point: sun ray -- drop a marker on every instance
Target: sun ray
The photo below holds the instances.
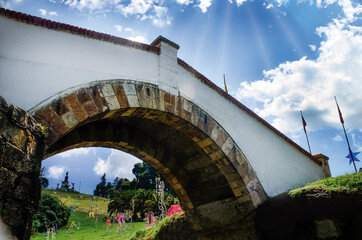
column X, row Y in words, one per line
column 259, row 38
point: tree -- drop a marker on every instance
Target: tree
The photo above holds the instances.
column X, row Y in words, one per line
column 50, row 213
column 43, row 180
column 145, row 201
column 117, row 183
column 145, row 175
column 102, row 187
column 126, row 185
column 121, row 202
column 103, row 180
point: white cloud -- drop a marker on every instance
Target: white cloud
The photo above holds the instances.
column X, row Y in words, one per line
column 10, row 3
column 52, row 1
column 55, row 172
column 43, row 11
column 312, row 47
column 269, row 6
column 91, row 5
column 75, row 152
column 240, row 2
column 53, row 13
column 204, row 5
column 138, row 38
column 310, row 85
column 128, row 29
column 118, row 28
column 186, row 2
column 161, row 18
column 338, row 138
column 356, row 141
column 118, row 164
column 136, row 7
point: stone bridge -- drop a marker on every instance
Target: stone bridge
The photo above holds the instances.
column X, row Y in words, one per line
column 89, row 89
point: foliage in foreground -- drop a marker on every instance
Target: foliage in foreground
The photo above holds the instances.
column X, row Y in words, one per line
column 50, row 213
column 350, row 183
column 150, row 234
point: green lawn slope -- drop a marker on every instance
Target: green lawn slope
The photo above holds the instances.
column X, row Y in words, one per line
column 347, row 184
column 88, row 228
column 81, row 202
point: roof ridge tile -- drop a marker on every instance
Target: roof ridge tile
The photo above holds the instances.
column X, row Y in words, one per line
column 58, row 26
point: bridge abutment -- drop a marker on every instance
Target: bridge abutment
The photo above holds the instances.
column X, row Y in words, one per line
column 21, row 152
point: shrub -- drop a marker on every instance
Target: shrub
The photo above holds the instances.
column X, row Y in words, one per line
column 50, row 213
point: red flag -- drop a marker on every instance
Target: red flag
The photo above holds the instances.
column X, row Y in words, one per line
column 305, row 131
column 340, row 114
column 304, row 123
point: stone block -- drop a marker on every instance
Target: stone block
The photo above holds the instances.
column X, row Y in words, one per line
column 121, row 95
column 84, row 96
column 129, row 89
column 216, row 155
column 91, row 108
column 133, row 100
column 228, row 145
column 59, row 107
column 69, row 120
column 107, row 90
column 222, row 137
column 99, row 99
column 112, row 102
column 53, row 120
column 204, row 143
column 326, row 229
column 75, row 107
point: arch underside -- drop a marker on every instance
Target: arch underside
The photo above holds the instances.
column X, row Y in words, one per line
column 178, row 159
column 200, row 161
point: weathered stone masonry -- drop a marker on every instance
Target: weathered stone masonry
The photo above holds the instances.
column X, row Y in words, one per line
column 21, row 152
column 181, row 141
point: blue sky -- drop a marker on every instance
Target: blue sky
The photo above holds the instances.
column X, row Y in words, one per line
column 279, row 57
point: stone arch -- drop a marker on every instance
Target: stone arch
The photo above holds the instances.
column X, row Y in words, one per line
column 124, row 114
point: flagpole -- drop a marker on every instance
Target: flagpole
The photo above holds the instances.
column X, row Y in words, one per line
column 345, row 134
column 306, row 135
column 226, row 89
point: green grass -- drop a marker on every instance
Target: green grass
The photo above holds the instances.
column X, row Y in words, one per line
column 350, row 183
column 89, row 230
column 150, row 234
column 82, row 202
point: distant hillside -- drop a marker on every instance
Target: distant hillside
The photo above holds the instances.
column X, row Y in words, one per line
column 82, row 202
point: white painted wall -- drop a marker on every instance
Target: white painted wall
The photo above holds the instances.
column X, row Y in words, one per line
column 278, row 165
column 37, row 63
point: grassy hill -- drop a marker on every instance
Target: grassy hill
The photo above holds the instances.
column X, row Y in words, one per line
column 81, row 202
column 347, row 184
column 88, row 228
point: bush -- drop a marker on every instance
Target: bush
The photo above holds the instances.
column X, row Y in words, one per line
column 50, row 213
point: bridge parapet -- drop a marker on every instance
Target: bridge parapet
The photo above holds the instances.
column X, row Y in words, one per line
column 84, row 56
